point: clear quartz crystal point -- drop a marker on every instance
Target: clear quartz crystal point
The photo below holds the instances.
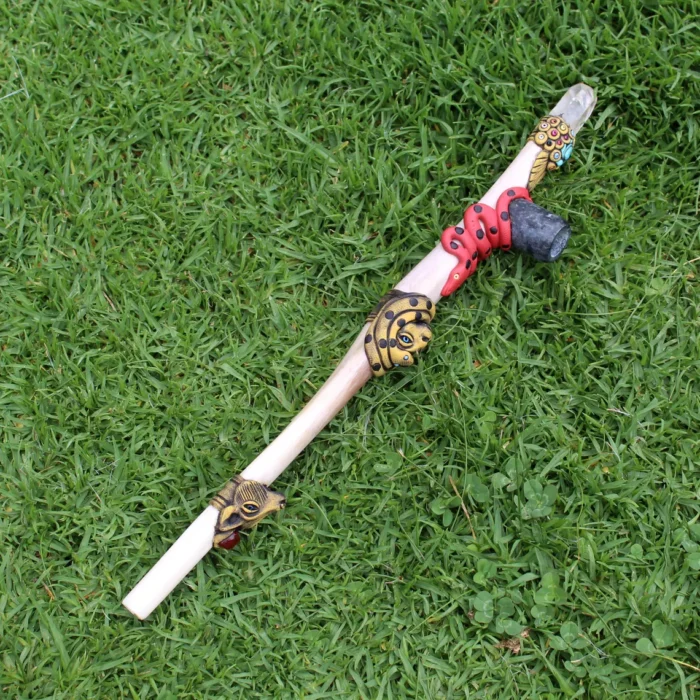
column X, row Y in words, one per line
column 576, row 106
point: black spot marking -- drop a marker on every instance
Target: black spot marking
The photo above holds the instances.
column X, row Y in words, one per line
column 475, row 256
column 480, row 234
column 376, row 367
column 389, row 315
column 419, row 316
column 477, row 208
column 368, row 338
column 494, row 230
column 413, row 301
column 459, row 230
column 468, row 264
column 511, row 193
column 454, row 245
column 382, row 343
column 504, row 216
column 401, row 322
column 429, row 305
column 392, row 343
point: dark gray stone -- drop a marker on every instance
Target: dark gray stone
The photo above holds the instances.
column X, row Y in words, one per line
column 536, row 231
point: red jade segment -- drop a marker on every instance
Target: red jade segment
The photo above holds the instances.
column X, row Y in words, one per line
column 231, row 541
column 484, row 229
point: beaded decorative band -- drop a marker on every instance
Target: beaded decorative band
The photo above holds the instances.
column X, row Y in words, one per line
column 484, row 229
column 555, row 139
column 399, row 327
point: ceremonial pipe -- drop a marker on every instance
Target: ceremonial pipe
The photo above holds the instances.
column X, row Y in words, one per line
column 398, row 327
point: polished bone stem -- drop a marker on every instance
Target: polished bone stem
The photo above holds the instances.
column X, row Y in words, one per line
column 534, row 230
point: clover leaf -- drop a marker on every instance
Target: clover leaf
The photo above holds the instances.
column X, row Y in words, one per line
column 539, row 499
column 645, row 646
column 662, row 634
column 483, row 607
column 550, row 591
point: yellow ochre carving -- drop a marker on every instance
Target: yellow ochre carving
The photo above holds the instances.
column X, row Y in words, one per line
column 243, row 504
column 554, row 137
column 399, row 327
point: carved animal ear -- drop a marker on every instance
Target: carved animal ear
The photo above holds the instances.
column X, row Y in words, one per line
column 229, row 519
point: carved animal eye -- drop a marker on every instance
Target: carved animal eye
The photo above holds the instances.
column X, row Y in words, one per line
column 250, row 508
column 405, row 339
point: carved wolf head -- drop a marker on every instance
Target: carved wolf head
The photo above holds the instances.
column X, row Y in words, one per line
column 242, row 504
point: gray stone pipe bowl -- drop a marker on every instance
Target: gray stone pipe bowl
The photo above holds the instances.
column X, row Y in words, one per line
column 536, row 231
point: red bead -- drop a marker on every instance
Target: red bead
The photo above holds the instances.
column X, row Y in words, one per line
column 231, row 542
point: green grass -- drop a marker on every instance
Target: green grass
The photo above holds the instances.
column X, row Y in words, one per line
column 199, row 207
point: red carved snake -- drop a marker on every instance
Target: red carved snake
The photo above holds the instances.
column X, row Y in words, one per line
column 484, row 229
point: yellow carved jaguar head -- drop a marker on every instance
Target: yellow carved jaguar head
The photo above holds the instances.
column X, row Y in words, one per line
column 242, row 505
column 399, row 327
column 413, row 337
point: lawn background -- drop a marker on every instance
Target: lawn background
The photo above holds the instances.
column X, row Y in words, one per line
column 199, row 206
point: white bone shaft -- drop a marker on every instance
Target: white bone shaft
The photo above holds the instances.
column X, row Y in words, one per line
column 428, row 277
